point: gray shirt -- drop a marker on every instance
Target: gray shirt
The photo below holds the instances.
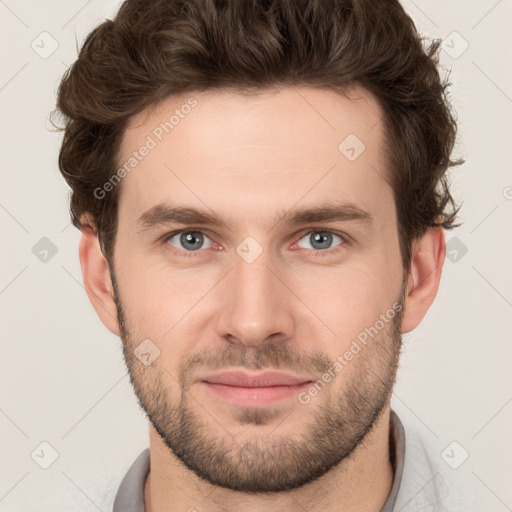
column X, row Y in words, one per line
column 418, row 484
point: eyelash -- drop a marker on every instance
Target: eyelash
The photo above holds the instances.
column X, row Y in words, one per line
column 316, row 252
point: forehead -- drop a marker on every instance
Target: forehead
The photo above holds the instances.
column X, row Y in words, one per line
column 255, row 153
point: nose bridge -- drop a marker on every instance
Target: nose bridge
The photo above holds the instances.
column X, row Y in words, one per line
column 255, row 304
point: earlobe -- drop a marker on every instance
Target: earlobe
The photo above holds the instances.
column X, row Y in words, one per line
column 97, row 281
column 428, row 253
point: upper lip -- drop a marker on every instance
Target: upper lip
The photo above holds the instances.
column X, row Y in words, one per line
column 254, row 380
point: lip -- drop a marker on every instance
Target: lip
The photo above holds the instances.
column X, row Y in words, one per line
column 260, row 379
column 251, row 389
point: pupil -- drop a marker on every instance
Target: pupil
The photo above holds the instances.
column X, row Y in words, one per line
column 325, row 237
column 187, row 238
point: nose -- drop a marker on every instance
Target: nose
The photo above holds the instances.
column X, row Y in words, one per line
column 255, row 304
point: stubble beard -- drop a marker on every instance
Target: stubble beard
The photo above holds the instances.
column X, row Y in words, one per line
column 274, row 462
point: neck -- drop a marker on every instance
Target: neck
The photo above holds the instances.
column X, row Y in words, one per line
column 171, row 486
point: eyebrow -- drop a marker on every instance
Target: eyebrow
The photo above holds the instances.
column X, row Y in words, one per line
column 164, row 214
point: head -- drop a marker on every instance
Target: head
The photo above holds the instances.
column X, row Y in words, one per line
column 270, row 195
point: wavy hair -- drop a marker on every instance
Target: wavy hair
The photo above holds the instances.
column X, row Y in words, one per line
column 154, row 49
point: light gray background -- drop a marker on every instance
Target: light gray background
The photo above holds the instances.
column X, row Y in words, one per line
column 62, row 376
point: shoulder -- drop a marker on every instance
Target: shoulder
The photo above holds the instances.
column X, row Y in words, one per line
column 436, row 474
column 128, row 495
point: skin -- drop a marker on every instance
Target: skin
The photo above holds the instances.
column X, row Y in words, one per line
column 249, row 158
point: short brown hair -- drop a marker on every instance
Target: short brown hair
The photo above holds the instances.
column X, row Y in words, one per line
column 154, row 49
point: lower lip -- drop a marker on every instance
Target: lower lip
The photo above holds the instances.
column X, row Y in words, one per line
column 254, row 396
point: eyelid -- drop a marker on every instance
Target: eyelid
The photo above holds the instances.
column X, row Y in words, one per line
column 310, row 230
column 323, row 252
column 165, row 239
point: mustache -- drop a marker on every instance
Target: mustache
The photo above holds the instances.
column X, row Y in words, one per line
column 272, row 355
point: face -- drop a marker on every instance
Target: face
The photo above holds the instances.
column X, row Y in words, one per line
column 257, row 238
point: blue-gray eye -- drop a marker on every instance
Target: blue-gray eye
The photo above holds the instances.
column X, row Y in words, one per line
column 190, row 240
column 320, row 240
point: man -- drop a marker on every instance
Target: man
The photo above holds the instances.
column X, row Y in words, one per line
column 262, row 195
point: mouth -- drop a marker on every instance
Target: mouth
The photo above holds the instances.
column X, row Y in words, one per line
column 254, row 389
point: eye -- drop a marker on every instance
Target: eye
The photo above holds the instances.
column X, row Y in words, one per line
column 190, row 241
column 321, row 240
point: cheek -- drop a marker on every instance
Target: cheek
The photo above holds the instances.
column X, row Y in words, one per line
column 350, row 299
column 160, row 301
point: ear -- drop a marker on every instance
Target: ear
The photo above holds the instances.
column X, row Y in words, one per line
column 428, row 253
column 97, row 281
